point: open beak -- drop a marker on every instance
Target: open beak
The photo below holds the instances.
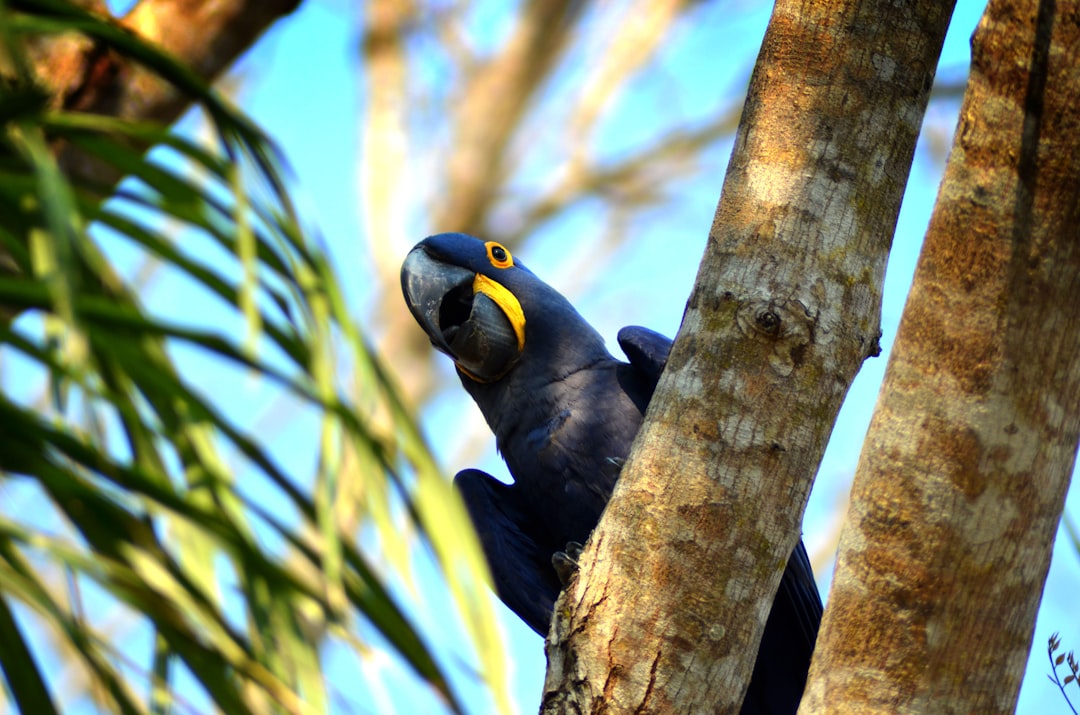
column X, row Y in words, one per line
column 471, row 318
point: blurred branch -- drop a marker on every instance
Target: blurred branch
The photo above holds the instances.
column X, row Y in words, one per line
column 384, row 148
column 646, row 24
column 1072, row 530
column 484, row 115
column 490, row 106
column 633, row 181
column 952, row 89
column 82, row 73
column 822, row 551
column 205, row 35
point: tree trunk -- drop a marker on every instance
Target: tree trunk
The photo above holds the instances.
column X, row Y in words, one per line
column 785, row 308
column 961, row 484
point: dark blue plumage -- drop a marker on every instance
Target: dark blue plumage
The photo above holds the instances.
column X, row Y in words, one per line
column 564, row 413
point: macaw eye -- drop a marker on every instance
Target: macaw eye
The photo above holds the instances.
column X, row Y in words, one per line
column 499, row 256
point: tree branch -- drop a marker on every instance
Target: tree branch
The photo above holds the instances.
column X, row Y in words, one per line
column 206, row 35
column 488, row 111
column 962, row 481
column 785, row 308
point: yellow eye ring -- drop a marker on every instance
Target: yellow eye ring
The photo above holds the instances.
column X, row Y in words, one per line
column 498, row 255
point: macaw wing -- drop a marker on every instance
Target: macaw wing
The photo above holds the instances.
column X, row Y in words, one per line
column 524, row 578
column 798, row 587
column 646, row 349
column 787, row 644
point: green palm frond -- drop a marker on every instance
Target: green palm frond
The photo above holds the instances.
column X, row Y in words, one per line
column 147, row 489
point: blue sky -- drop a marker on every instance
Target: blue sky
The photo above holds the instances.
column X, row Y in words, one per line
column 302, row 84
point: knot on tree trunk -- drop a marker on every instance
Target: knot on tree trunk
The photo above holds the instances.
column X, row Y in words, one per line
column 787, row 324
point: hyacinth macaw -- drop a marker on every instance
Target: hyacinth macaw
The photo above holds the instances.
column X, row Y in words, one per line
column 564, row 413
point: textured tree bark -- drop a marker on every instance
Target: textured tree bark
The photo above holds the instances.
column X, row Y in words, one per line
column 678, row 578
column 963, row 476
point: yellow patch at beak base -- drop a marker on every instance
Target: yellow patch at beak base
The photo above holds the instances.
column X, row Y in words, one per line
column 506, row 301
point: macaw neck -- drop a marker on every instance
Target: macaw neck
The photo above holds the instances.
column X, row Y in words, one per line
column 538, row 387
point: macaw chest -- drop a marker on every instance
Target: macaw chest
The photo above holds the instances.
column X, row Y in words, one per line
column 566, row 465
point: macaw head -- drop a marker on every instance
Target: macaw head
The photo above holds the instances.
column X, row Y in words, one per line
column 487, row 311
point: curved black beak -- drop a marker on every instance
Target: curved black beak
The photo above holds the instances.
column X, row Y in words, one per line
column 468, row 326
column 426, row 282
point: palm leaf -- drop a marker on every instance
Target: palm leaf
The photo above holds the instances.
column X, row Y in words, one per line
column 148, row 476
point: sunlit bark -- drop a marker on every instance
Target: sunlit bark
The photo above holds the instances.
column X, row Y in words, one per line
column 963, row 475
column 677, row 579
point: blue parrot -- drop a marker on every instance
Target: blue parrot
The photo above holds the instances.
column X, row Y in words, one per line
column 564, row 413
